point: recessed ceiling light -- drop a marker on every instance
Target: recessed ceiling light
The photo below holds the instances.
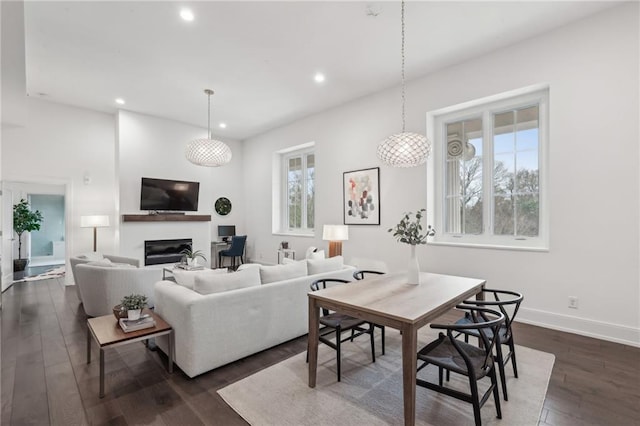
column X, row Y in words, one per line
column 187, row 15
column 120, row 101
column 319, row 77
column 223, row 125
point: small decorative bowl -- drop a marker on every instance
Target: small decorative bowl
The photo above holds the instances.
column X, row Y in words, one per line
column 119, row 312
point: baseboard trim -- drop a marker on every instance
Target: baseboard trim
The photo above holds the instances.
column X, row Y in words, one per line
column 585, row 327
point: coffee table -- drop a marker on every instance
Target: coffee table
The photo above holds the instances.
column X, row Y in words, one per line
column 107, row 333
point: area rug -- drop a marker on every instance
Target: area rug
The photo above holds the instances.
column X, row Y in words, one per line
column 53, row 273
column 371, row 393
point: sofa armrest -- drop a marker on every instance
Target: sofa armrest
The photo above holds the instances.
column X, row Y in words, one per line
column 122, row 259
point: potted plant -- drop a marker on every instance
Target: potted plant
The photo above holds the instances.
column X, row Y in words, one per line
column 410, row 231
column 134, row 304
column 192, row 256
column 24, row 220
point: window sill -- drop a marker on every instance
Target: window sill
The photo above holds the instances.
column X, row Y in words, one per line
column 295, row 234
column 489, row 246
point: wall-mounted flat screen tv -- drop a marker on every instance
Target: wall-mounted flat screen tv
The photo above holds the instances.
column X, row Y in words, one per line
column 169, row 195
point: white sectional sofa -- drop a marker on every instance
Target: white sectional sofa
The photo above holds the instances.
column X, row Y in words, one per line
column 230, row 323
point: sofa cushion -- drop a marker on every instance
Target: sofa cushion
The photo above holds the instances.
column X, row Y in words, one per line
column 218, row 283
column 274, row 273
column 247, row 266
column 91, row 256
column 188, row 278
column 318, row 266
column 101, row 262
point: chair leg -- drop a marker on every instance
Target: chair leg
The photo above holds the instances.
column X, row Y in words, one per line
column 512, row 348
column 496, row 396
column 448, row 375
column 338, row 334
column 373, row 343
column 500, row 361
column 382, row 328
column 440, row 376
column 475, row 399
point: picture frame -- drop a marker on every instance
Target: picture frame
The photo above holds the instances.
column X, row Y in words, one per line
column 361, row 196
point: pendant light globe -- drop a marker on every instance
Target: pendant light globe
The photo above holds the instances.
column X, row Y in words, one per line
column 208, row 152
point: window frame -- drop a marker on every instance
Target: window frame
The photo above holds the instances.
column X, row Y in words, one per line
column 281, row 190
column 486, row 108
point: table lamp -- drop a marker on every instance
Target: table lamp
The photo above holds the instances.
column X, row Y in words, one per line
column 95, row 222
column 335, row 234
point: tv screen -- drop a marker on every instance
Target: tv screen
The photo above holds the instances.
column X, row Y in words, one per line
column 169, row 195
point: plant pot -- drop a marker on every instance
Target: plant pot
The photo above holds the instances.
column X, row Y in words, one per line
column 133, row 314
column 19, row 264
column 192, row 262
column 120, row 312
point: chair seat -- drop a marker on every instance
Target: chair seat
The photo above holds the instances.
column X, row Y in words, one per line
column 343, row 321
column 465, row 320
column 443, row 354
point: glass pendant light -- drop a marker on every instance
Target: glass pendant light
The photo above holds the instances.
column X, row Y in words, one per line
column 208, row 152
column 404, row 149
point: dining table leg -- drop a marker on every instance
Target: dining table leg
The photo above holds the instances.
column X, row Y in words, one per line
column 312, row 345
column 409, row 366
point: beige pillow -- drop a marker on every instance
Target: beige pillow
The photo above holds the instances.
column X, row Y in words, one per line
column 271, row 274
column 218, row 283
column 319, row 266
column 101, row 262
column 188, row 278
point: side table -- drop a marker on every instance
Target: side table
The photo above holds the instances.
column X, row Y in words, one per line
column 107, row 333
column 286, row 253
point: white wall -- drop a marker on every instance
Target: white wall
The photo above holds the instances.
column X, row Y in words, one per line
column 61, row 145
column 592, row 69
column 154, row 147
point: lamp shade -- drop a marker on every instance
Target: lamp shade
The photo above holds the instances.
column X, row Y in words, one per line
column 335, row 233
column 94, row 221
column 208, row 153
column 404, row 150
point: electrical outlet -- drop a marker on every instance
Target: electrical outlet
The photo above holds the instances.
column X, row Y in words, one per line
column 573, row 302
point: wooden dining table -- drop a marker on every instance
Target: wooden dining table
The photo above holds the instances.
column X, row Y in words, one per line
column 388, row 300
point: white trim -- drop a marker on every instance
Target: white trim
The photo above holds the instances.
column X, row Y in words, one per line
column 484, row 108
column 585, row 327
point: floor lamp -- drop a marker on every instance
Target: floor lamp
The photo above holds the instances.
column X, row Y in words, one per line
column 335, row 234
column 95, row 222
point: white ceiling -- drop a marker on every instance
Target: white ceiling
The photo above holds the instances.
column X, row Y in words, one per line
column 259, row 57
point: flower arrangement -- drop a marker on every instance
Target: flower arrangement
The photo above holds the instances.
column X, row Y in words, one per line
column 409, row 231
column 134, row 301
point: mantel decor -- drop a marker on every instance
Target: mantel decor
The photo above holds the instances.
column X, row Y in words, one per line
column 361, row 193
column 410, row 232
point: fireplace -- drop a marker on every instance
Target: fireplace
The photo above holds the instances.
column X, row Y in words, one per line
column 157, row 252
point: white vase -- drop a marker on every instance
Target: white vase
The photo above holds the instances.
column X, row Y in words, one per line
column 133, row 314
column 413, row 269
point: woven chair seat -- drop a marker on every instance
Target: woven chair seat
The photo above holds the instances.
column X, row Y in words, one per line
column 443, row 354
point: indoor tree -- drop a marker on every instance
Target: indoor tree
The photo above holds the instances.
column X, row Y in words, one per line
column 24, row 220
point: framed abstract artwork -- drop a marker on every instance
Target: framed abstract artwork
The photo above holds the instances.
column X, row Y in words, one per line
column 361, row 193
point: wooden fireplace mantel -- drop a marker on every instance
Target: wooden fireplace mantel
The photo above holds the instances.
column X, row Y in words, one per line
column 166, row 218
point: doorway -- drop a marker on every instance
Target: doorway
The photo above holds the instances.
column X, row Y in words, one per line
column 45, row 249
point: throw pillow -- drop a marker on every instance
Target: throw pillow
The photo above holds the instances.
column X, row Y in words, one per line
column 101, row 262
column 247, row 266
column 218, row 283
column 319, row 254
column 188, row 278
column 91, row 256
column 318, row 266
column 271, row 274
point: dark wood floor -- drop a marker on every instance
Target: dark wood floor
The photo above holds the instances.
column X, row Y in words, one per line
column 45, row 378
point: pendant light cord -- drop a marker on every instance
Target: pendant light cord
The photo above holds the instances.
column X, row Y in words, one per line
column 209, row 116
column 402, row 53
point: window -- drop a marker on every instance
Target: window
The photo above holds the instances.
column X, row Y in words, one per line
column 488, row 168
column 296, row 190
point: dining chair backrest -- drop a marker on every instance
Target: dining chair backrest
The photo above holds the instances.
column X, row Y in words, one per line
column 486, row 322
column 508, row 302
column 321, row 284
column 237, row 245
column 361, row 273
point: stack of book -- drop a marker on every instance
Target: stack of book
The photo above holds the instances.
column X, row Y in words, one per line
column 128, row 325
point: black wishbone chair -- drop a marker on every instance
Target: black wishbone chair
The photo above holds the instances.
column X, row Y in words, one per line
column 450, row 354
column 508, row 302
column 335, row 323
column 359, row 275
